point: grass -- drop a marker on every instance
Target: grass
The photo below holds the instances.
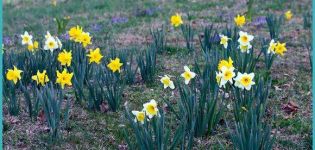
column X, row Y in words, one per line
column 96, row 130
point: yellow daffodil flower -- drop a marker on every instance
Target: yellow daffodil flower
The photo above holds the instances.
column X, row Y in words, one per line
column 225, row 63
column 85, row 39
column 240, row 20
column 32, row 46
column 14, row 74
column 280, row 48
column 75, row 33
column 64, row 78
column 288, row 15
column 41, row 78
column 176, row 20
column 115, row 65
column 65, row 58
column 95, row 56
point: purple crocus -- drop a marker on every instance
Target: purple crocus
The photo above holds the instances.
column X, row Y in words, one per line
column 96, row 27
column 65, row 36
column 259, row 21
column 119, row 20
column 7, row 40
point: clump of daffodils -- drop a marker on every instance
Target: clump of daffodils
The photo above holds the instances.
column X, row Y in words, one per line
column 244, row 41
column 167, row 82
column 95, row 56
column 78, row 35
column 115, row 65
column 226, row 72
column 14, row 74
column 41, row 78
column 32, row 46
column 239, row 20
column 27, row 39
column 149, row 110
column 276, row 48
column 176, row 20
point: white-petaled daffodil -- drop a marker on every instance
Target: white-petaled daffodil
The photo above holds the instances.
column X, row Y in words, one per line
column 244, row 80
column 150, row 108
column 188, row 75
column 167, row 82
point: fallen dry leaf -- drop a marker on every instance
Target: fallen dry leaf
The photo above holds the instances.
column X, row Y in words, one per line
column 104, row 107
column 290, row 108
column 13, row 120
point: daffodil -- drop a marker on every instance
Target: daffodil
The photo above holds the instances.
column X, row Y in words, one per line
column 224, row 40
column 75, row 33
column 26, row 38
column 59, row 43
column 150, row 108
column 272, row 47
column 65, row 58
column 225, row 63
column 176, row 20
column 140, row 116
column 167, row 82
column 288, row 15
column 95, row 56
column 85, row 39
column 187, row 75
column 54, row 2
column 48, row 35
column 41, row 78
column 244, row 80
column 245, row 48
column 218, row 77
column 32, row 46
column 14, row 74
column 226, row 75
column 64, row 78
column 51, row 44
column 240, row 20
column 115, row 65
column 280, row 48
column 245, row 38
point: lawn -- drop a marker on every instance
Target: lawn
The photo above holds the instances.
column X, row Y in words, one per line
column 124, row 25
